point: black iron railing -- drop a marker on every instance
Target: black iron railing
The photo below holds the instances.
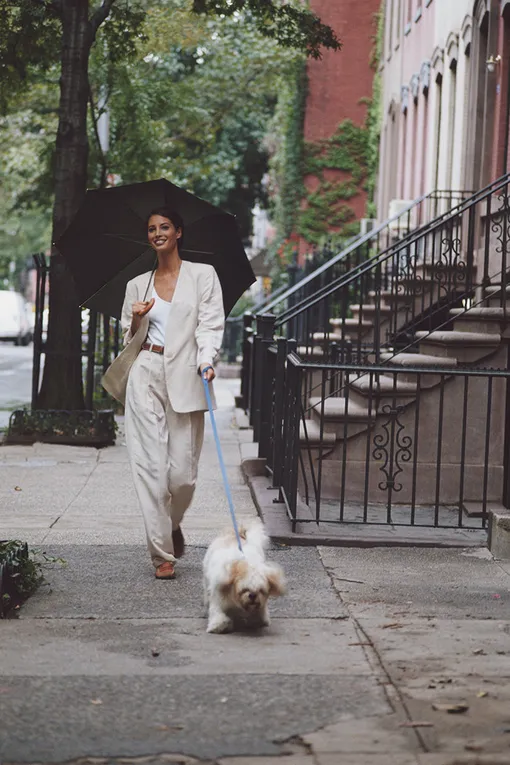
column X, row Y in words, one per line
column 101, row 341
column 425, row 447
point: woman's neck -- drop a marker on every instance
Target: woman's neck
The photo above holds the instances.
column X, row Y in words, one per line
column 169, row 263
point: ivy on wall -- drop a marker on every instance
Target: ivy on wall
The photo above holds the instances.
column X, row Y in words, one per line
column 341, row 166
column 374, row 114
column 326, row 205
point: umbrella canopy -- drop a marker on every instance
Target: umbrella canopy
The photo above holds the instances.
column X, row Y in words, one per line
column 106, row 243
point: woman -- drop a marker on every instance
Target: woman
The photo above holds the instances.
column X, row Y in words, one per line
column 173, row 321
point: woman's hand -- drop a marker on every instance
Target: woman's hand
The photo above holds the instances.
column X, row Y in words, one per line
column 210, row 374
column 139, row 309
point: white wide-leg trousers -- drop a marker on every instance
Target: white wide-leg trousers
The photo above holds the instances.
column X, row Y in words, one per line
column 164, row 448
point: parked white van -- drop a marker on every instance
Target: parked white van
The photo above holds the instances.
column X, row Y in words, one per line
column 15, row 319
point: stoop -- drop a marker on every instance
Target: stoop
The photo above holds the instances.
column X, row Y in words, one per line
column 499, row 533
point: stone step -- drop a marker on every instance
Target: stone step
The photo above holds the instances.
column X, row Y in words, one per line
column 420, row 360
column 391, row 298
column 335, row 409
column 362, row 388
column 351, row 323
column 369, row 310
column 489, row 320
column 341, row 416
column 312, row 436
column 463, row 346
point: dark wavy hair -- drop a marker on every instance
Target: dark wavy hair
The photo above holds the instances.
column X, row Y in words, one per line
column 172, row 215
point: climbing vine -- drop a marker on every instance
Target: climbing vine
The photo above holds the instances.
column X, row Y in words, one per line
column 374, row 114
column 326, row 205
column 285, row 144
column 338, row 168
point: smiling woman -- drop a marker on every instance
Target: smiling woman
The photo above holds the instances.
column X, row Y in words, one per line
column 172, row 339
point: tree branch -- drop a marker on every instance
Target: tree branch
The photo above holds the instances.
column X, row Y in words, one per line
column 99, row 16
column 53, row 6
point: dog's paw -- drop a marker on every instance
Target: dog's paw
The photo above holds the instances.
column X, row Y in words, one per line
column 220, row 626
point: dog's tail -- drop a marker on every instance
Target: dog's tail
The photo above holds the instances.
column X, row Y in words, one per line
column 255, row 534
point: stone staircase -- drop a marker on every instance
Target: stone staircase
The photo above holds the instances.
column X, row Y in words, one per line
column 344, row 429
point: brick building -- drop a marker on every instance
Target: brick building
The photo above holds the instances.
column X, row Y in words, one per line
column 340, row 83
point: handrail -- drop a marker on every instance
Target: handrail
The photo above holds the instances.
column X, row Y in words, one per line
column 358, row 242
column 394, row 249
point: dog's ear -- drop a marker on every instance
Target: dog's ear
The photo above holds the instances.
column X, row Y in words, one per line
column 275, row 580
column 236, row 570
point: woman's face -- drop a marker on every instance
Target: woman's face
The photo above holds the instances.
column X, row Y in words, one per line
column 162, row 234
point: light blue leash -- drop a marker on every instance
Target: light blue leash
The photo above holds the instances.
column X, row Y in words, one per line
column 220, row 458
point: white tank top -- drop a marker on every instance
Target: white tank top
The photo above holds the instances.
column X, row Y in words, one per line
column 158, row 319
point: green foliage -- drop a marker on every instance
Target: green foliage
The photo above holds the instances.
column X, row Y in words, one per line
column 26, row 569
column 285, row 143
column 29, row 41
column 325, row 206
column 291, row 24
column 374, row 114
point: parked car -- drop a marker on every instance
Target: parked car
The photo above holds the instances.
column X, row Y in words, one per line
column 15, row 319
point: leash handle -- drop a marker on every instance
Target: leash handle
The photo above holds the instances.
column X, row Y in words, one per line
column 220, row 458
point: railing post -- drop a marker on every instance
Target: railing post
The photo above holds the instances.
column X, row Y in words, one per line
column 292, row 270
column 246, row 362
column 278, row 411
column 263, row 338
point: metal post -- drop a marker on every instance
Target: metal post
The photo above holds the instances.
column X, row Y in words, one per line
column 292, row 271
column 91, row 351
column 245, row 364
column 278, row 413
column 264, row 337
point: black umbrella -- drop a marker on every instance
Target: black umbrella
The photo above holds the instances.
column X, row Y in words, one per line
column 106, row 243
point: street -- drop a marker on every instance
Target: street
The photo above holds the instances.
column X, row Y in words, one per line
column 15, row 378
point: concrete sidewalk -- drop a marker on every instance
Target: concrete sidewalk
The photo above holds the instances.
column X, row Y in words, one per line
column 107, row 665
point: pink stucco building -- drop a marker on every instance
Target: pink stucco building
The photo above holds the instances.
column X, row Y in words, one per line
column 445, row 120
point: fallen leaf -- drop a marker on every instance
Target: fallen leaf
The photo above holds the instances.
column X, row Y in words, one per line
column 392, row 626
column 97, row 702
column 482, row 694
column 224, row 700
column 453, row 709
column 479, row 652
column 154, row 652
column 473, row 747
column 415, row 724
column 161, row 727
column 17, row 488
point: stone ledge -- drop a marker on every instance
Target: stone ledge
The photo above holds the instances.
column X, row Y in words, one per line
column 279, row 527
column 499, row 533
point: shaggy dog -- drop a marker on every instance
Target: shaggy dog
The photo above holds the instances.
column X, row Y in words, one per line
column 237, row 584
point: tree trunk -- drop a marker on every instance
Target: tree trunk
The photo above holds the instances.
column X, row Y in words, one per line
column 62, row 386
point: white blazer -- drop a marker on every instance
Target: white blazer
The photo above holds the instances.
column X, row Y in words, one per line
column 193, row 336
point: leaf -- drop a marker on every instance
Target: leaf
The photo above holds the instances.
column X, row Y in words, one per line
column 17, row 488
column 482, row 694
column 96, row 702
column 453, row 709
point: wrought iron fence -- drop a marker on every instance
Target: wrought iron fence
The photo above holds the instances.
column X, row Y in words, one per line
column 100, row 343
column 423, row 447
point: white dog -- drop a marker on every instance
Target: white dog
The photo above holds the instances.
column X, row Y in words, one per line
column 238, row 584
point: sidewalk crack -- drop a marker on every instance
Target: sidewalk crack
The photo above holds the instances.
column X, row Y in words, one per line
column 64, row 511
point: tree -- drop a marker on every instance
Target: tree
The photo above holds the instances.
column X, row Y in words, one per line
column 75, row 25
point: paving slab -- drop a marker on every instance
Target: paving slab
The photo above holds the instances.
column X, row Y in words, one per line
column 99, row 581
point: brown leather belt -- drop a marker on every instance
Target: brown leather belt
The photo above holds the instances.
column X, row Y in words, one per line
column 154, row 348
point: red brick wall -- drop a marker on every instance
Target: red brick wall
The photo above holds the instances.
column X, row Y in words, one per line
column 340, row 80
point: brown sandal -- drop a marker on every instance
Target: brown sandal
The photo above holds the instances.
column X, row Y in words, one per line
column 178, row 542
column 165, row 571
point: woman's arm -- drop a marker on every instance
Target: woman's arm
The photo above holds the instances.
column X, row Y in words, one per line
column 211, row 320
column 132, row 313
